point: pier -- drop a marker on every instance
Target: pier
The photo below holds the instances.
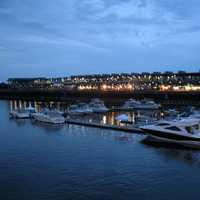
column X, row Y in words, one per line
column 105, row 126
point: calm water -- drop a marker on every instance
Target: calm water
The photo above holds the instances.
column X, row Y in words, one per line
column 72, row 162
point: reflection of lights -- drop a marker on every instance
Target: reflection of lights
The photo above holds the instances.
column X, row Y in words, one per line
column 20, row 104
column 15, row 105
column 104, row 119
column 112, row 118
column 11, row 105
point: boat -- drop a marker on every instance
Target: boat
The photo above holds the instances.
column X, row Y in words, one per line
column 123, row 118
column 48, row 116
column 171, row 113
column 80, row 108
column 185, row 132
column 145, row 120
column 130, row 104
column 98, row 106
column 145, row 104
column 148, row 105
column 22, row 113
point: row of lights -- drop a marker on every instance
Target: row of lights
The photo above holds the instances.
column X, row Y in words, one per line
column 179, row 88
column 107, row 87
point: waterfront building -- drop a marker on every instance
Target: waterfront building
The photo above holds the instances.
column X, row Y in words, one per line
column 167, row 81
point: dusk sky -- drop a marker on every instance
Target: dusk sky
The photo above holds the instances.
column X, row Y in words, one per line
column 65, row 37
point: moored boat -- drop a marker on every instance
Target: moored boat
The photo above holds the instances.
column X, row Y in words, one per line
column 20, row 114
column 98, row 106
column 184, row 132
column 145, row 104
column 51, row 117
column 23, row 112
column 80, row 108
column 123, row 118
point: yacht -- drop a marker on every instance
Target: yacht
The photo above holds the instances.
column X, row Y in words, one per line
column 123, row 118
column 145, row 120
column 143, row 105
column 80, row 108
column 51, row 117
column 171, row 113
column 22, row 113
column 130, row 104
column 98, row 106
column 185, row 132
column 148, row 105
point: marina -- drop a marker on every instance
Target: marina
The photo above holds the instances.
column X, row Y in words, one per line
column 149, row 120
column 99, row 100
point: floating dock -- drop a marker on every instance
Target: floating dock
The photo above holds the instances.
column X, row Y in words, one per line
column 105, row 126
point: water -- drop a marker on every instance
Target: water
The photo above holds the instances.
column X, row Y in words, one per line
column 72, row 162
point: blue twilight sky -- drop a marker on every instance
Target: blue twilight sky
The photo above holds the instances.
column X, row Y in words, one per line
column 64, row 37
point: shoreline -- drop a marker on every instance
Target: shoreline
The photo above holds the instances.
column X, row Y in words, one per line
column 166, row 98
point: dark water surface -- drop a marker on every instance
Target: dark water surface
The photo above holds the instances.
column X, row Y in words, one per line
column 72, row 162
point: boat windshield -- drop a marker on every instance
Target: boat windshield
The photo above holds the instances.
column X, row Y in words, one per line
column 173, row 128
column 163, row 124
column 192, row 129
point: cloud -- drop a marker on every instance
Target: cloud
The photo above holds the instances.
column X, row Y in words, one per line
column 98, row 33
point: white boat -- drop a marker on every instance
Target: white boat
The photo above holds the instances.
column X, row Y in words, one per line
column 98, row 106
column 51, row 117
column 20, row 114
column 171, row 113
column 23, row 113
column 148, row 105
column 184, row 132
column 130, row 104
column 30, row 109
column 123, row 118
column 144, row 105
column 144, row 120
column 80, row 108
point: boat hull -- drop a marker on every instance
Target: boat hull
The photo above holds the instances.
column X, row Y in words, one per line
column 190, row 142
column 20, row 115
column 140, row 108
column 49, row 120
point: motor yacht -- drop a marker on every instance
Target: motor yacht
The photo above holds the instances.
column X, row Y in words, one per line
column 148, row 105
column 145, row 120
column 123, row 118
column 51, row 117
column 145, row 104
column 80, row 108
column 185, row 132
column 22, row 113
column 130, row 104
column 98, row 106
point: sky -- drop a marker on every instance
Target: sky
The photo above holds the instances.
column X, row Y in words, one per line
column 68, row 37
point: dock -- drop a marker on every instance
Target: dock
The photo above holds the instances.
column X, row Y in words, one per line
column 105, row 126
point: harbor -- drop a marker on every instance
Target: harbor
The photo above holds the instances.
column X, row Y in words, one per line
column 99, row 100
column 79, row 156
column 176, row 126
